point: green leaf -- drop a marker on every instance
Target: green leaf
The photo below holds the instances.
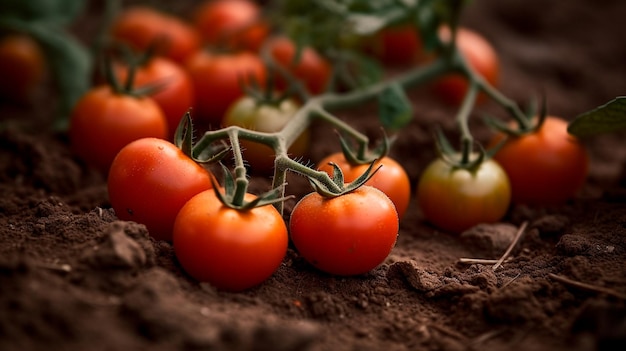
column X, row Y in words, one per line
column 58, row 12
column 394, row 108
column 610, row 117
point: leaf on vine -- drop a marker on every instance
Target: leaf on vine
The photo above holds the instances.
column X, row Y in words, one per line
column 610, row 117
column 394, row 108
column 57, row 12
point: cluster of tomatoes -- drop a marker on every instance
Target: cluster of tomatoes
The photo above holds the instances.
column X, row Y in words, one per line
column 153, row 182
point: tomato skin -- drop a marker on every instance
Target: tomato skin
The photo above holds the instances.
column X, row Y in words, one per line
column 391, row 178
column 312, row 69
column 139, row 26
column 246, row 113
column 346, row 235
column 397, row 46
column 546, row 167
column 217, row 81
column 22, row 67
column 455, row 199
column 235, row 24
column 149, row 182
column 231, row 249
column 103, row 122
column 175, row 94
column 480, row 55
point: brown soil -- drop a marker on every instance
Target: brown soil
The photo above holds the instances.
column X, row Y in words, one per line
column 73, row 277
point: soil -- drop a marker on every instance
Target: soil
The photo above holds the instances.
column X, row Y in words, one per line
column 74, row 277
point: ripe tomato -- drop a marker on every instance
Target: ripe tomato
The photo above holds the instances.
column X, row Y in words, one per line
column 345, row 235
column 480, row 55
column 104, row 121
column 391, row 178
column 141, row 26
column 456, row 199
column 235, row 24
column 217, row 80
column 149, row 182
column 22, row 67
column 397, row 46
column 311, row 68
column 545, row 167
column 175, row 94
column 246, row 113
column 231, row 249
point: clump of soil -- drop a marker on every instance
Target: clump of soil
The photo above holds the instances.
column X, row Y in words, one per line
column 74, row 277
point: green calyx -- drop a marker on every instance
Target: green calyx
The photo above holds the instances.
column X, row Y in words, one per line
column 531, row 120
column 183, row 139
column 339, row 187
column 362, row 155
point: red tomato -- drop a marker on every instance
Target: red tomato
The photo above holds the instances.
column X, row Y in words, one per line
column 231, row 249
column 480, row 55
column 22, row 67
column 456, row 199
column 397, row 46
column 149, row 182
column 175, row 94
column 104, row 121
column 311, row 68
column 246, row 113
column 141, row 26
column 217, row 80
column 234, row 24
column 391, row 178
column 345, row 235
column 548, row 166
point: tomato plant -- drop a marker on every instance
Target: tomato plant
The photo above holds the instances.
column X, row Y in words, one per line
column 150, row 180
column 480, row 56
column 545, row 166
column 104, row 121
column 22, row 67
column 143, row 26
column 231, row 249
column 174, row 88
column 267, row 117
column 391, row 178
column 456, row 199
column 218, row 79
column 345, row 235
column 309, row 67
column 234, row 24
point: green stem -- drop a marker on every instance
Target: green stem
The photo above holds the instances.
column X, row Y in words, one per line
column 241, row 182
column 463, row 121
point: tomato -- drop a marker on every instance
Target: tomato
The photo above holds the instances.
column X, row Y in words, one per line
column 346, row 235
column 231, row 249
column 246, row 113
column 391, row 178
column 548, row 166
column 103, row 122
column 456, row 199
column 175, row 94
column 235, row 24
column 217, row 80
column 480, row 56
column 397, row 46
column 150, row 180
column 311, row 68
column 22, row 67
column 141, row 26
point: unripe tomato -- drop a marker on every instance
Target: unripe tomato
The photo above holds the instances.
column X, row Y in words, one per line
column 174, row 94
column 456, row 199
column 391, row 178
column 546, row 167
column 345, row 235
column 22, row 67
column 480, row 55
column 149, row 182
column 103, row 122
column 218, row 79
column 142, row 26
column 247, row 113
column 231, row 249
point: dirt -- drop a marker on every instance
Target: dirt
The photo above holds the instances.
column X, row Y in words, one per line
column 74, row 277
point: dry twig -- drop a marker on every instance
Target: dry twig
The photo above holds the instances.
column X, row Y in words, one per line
column 588, row 287
column 517, row 238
